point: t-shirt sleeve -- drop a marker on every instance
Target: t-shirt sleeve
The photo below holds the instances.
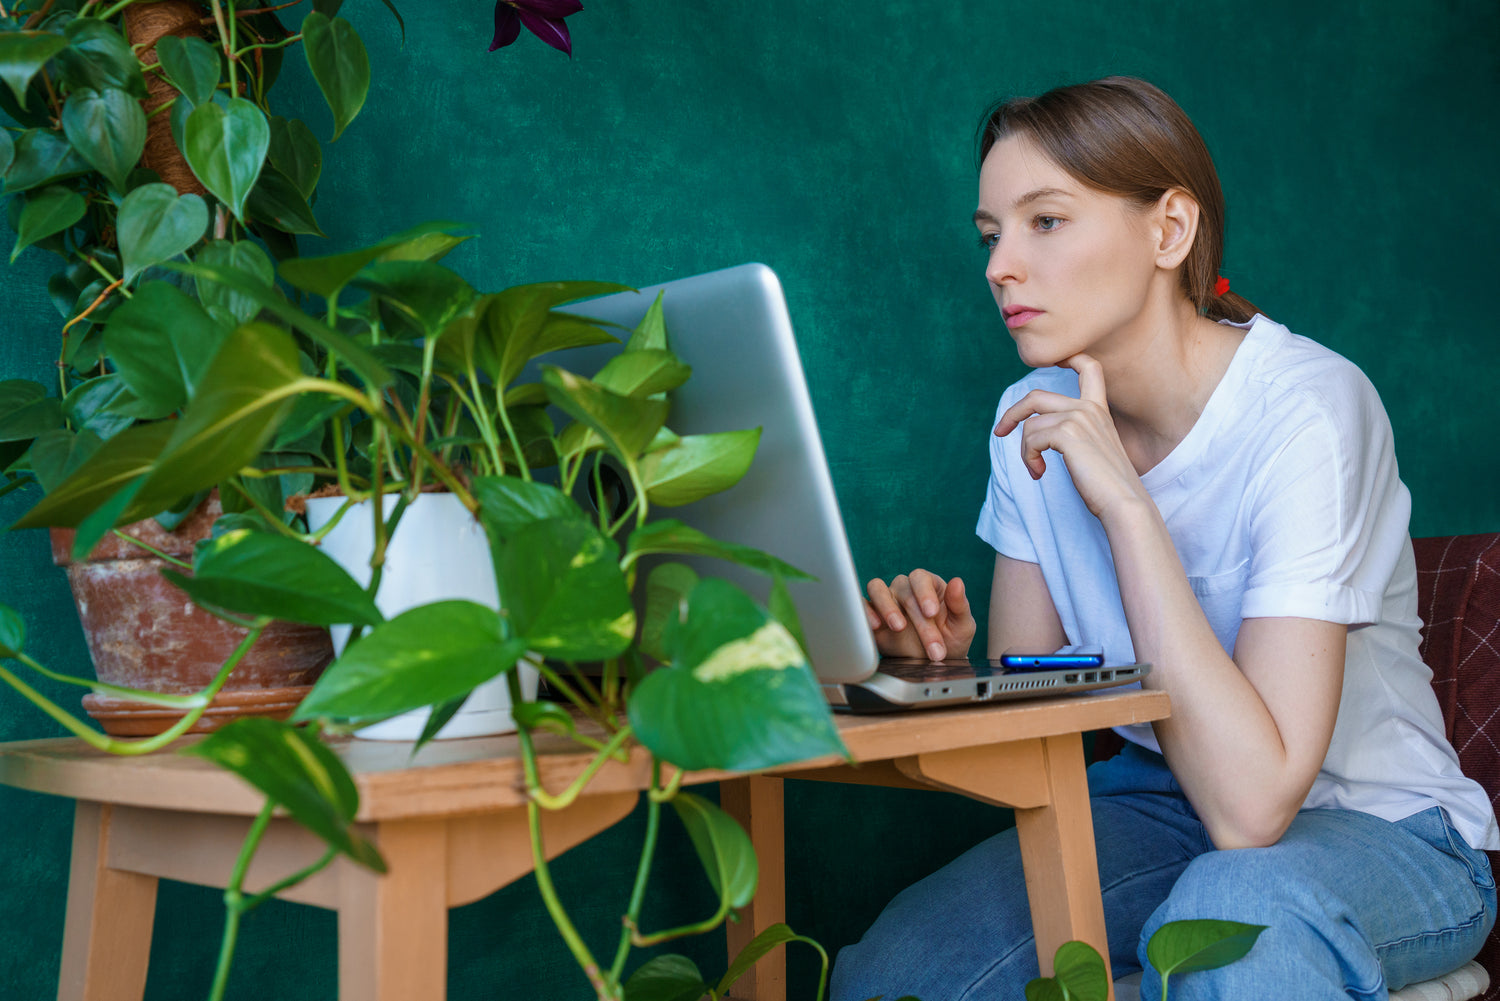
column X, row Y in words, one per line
column 1330, row 515
column 1000, row 520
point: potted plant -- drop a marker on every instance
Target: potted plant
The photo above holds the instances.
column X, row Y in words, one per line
column 194, row 361
column 144, row 132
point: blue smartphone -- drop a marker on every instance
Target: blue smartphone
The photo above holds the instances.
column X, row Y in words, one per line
column 1068, row 656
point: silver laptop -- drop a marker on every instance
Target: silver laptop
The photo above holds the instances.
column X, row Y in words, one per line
column 733, row 328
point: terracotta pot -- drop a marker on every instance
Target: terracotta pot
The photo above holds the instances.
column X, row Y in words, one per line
column 144, row 633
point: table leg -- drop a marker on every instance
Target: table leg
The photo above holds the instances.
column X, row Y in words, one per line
column 393, row 929
column 756, row 802
column 107, row 935
column 1057, row 850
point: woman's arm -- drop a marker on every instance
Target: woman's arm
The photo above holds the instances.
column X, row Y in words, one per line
column 1247, row 734
column 1022, row 616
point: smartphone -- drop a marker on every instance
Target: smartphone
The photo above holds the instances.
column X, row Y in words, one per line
column 1068, row 656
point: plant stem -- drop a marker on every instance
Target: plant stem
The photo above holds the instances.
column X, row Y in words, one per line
column 510, row 433
column 606, row 990
column 233, row 908
column 642, row 872
column 569, row 795
column 281, row 527
column 36, row 19
column 252, row 903
column 159, row 554
column 225, row 40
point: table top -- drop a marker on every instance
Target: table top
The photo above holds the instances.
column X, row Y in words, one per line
column 483, row 774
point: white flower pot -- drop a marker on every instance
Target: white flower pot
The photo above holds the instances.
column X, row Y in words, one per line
column 437, row 553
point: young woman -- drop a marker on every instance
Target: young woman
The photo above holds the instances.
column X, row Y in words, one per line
column 1187, row 483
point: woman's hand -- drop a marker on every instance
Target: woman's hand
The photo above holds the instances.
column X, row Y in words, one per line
column 1082, row 431
column 920, row 615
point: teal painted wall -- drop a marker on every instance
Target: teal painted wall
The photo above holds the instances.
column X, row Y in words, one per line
column 1357, row 145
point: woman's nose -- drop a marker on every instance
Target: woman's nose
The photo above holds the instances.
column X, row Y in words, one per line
column 1005, row 266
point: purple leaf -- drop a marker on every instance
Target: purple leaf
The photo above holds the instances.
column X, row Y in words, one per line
column 507, row 25
column 557, row 9
column 551, row 31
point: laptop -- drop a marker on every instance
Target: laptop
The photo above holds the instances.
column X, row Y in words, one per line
column 733, row 328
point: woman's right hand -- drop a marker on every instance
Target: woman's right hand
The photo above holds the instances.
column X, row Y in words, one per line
column 920, row 615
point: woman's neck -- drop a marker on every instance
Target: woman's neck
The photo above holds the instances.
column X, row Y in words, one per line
column 1159, row 373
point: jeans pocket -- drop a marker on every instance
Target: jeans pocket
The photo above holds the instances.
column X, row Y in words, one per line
column 1475, row 859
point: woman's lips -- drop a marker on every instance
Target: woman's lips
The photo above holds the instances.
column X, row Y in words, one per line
column 1021, row 317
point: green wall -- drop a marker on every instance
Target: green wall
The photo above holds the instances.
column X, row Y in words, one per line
column 833, row 141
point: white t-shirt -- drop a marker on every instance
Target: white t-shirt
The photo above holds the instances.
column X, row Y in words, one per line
column 1283, row 500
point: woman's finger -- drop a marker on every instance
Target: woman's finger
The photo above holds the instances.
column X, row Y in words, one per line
column 1038, row 401
column 927, row 590
column 885, row 604
column 1090, row 379
column 956, row 598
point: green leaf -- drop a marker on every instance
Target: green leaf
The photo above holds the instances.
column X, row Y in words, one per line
column 738, row 694
column 295, row 769
column 22, row 56
column 116, row 463
column 241, row 399
column 698, row 465
column 778, row 934
column 519, row 324
column 7, row 151
column 723, row 847
column 296, row 153
column 57, row 453
column 508, row 503
column 98, row 56
column 642, row 373
column 1045, row 989
column 339, row 64
column 162, row 342
column 667, row 588
column 248, row 284
column 108, row 129
column 226, row 147
column 625, row 424
column 46, row 213
column 1080, row 972
column 26, row 410
column 651, row 333
column 12, row 632
column 276, row 200
column 560, row 580
column 103, row 405
column 422, row 657
column 545, row 716
column 261, row 573
column 426, row 295
column 191, row 64
column 41, row 157
column 156, row 224
column 325, row 276
column 779, row 603
column 1185, row 946
column 102, row 519
column 671, row 536
column 666, row 978
column 243, row 257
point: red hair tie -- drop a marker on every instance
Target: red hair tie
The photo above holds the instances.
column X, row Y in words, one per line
column 1221, row 286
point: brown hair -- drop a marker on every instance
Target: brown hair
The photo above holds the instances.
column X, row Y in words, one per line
column 1125, row 137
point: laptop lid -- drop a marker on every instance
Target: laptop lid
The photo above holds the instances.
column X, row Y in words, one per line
column 733, row 328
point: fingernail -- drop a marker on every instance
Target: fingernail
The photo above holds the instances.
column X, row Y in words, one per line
column 929, row 608
column 896, row 621
column 935, row 651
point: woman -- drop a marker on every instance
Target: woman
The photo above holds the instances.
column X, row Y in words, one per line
column 1186, row 483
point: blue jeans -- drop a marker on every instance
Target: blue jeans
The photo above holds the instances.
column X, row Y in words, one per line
column 1356, row 906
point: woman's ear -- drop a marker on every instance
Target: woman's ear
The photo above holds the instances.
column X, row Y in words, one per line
column 1176, row 225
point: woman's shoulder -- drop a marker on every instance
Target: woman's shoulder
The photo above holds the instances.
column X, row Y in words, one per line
column 1295, row 367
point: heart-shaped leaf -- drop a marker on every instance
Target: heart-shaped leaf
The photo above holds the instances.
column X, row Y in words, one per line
column 625, row 424
column 508, row 503
column 670, row 536
column 261, row 573
column 12, row 632
column 156, row 224
column 108, row 129
column 192, row 66
column 118, row 461
column 226, row 147
column 519, row 323
column 296, row 152
column 98, row 56
column 103, row 405
column 723, row 847
column 698, row 465
column 778, row 934
column 325, row 276
column 295, row 769
column 276, row 200
column 57, row 453
column 422, row 657
column 1204, row 944
column 162, row 342
column 667, row 589
column 41, row 156
column 424, row 295
column 666, row 978
column 560, row 581
column 26, row 410
column 246, row 259
column 22, row 56
column 1078, row 974
column 738, row 694
column 339, row 64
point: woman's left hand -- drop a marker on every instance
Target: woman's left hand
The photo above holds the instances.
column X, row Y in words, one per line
column 1080, row 430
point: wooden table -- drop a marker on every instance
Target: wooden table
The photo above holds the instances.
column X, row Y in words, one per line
column 452, row 827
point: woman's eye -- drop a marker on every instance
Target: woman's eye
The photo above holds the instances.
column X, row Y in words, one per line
column 988, row 240
column 1047, row 223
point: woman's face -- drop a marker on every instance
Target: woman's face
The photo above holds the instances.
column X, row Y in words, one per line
column 1070, row 267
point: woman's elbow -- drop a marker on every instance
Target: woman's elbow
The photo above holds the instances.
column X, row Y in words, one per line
column 1257, row 827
